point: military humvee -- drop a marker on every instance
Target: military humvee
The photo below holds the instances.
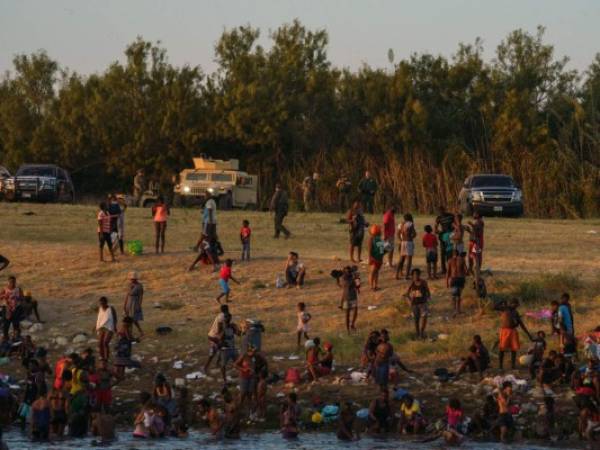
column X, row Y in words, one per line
column 231, row 187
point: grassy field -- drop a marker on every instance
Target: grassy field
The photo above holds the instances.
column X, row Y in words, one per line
column 53, row 252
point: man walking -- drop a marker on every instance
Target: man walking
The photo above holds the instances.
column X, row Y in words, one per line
column 279, row 207
column 367, row 188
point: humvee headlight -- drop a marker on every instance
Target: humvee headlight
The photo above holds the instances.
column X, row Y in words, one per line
column 186, row 189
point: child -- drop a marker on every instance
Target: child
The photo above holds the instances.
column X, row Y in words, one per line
column 430, row 243
column 537, row 351
column 224, row 278
column 454, row 419
column 481, row 290
column 303, row 319
column 245, row 234
column 312, row 359
column 411, row 418
column 376, row 249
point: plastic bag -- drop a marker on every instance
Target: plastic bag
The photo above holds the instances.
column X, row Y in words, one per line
column 135, row 248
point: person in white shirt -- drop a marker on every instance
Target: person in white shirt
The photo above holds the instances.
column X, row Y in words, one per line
column 105, row 327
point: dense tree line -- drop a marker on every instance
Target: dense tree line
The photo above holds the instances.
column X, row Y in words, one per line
column 420, row 126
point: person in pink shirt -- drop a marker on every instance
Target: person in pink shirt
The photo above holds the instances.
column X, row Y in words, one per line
column 160, row 213
column 224, row 278
column 389, row 232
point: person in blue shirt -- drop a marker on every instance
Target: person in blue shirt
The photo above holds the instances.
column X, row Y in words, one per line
column 565, row 319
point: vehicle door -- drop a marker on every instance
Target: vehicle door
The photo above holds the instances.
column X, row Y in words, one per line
column 245, row 191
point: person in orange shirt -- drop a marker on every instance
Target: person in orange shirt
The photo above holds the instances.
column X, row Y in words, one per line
column 160, row 213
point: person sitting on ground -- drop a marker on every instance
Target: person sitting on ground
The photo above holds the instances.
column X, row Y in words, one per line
column 30, row 306
column 345, row 430
column 478, row 359
column 411, row 417
column 380, row 414
column 294, row 271
column 312, row 359
column 455, row 415
column 326, row 362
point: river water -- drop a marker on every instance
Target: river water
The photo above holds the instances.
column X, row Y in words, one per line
column 263, row 441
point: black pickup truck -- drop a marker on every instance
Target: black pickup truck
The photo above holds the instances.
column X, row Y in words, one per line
column 491, row 194
column 40, row 182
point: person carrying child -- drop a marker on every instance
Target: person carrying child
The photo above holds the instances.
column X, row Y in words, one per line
column 478, row 359
column 303, row 320
column 224, row 277
column 245, row 234
column 430, row 242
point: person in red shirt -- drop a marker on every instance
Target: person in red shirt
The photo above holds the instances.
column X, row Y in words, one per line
column 389, row 232
column 430, row 242
column 245, row 234
column 224, row 277
column 104, row 231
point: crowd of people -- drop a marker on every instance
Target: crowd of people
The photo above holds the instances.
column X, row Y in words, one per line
column 78, row 394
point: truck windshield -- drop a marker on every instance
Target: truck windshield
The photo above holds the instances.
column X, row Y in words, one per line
column 195, row 177
column 36, row 171
column 492, row 181
column 222, row 177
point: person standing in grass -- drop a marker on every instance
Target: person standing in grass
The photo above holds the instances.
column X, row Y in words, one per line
column 133, row 301
column 350, row 284
column 303, row 319
column 160, row 214
column 389, row 232
column 455, row 278
column 565, row 320
column 510, row 321
column 104, row 221
column 430, row 243
column 419, row 295
column 458, row 233
column 279, row 206
column 368, row 188
column 476, row 245
column 443, row 226
column 376, row 248
column 407, row 234
column 357, row 223
column 224, row 277
column 245, row 234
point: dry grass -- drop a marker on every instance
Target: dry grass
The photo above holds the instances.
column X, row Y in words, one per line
column 54, row 254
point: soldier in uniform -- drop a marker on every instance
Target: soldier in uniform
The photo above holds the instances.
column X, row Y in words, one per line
column 279, row 206
column 139, row 186
column 367, row 188
column 309, row 192
column 344, row 186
